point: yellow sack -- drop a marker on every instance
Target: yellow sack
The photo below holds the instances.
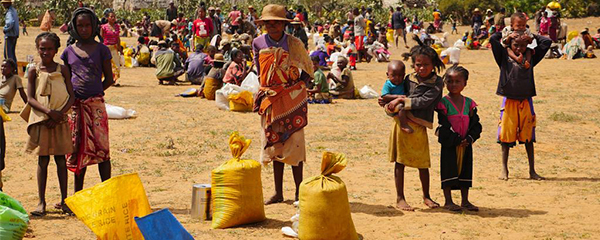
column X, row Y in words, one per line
column 128, row 62
column 4, row 116
column 109, row 207
column 237, row 189
column 324, row 206
column 571, row 35
column 241, row 102
column 127, row 52
column 390, row 35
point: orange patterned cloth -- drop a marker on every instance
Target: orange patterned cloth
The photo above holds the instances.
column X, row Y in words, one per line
column 89, row 125
column 282, row 98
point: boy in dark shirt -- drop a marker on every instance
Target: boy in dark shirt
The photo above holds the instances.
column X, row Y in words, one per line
column 517, row 86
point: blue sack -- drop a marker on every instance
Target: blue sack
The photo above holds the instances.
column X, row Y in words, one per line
column 162, row 225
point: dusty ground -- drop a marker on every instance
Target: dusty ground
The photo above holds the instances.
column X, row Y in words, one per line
column 564, row 206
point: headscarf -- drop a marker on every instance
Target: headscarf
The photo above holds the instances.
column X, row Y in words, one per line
column 72, row 24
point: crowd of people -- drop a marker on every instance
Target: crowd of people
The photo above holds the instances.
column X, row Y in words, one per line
column 226, row 49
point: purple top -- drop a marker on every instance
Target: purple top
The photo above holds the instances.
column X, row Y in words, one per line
column 264, row 41
column 86, row 73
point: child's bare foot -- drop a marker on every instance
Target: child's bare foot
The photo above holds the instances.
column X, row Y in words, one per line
column 274, row 199
column 403, row 205
column 452, row 207
column 535, row 176
column 430, row 203
column 504, row 175
column 40, row 211
column 406, row 128
column 470, row 207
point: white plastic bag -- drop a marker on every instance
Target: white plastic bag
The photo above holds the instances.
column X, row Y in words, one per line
column 221, row 95
column 459, row 43
column 251, row 83
column 115, row 112
column 134, row 62
column 367, row 92
column 454, row 54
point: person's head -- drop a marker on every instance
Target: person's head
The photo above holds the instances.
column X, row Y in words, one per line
column 174, row 36
column 218, row 10
column 350, row 23
column 518, row 21
column 211, row 11
column 425, row 59
column 342, row 62
column 456, row 79
column 237, row 56
column 8, row 67
column 211, row 51
column 47, row 45
column 274, row 19
column 396, row 71
column 202, row 12
column 398, row 8
column 544, row 14
column 141, row 40
column 503, row 10
column 162, row 44
column 175, row 47
column 251, row 9
column 84, row 25
column 234, row 8
column 6, row 4
column 355, row 12
column 171, row 4
column 315, row 61
column 598, row 31
column 519, row 44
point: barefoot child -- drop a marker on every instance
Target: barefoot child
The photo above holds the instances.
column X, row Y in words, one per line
column 458, row 129
column 340, row 76
column 518, row 26
column 50, row 98
column 394, row 88
column 412, row 149
column 517, row 86
column 87, row 61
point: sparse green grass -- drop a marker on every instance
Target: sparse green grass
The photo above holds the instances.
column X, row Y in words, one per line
column 563, row 117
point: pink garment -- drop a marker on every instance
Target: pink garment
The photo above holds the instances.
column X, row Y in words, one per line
column 233, row 16
column 111, row 36
column 544, row 26
column 460, row 121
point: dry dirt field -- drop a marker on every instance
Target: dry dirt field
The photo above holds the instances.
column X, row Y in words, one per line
column 565, row 206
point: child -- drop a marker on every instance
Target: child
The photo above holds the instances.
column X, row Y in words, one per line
column 50, row 98
column 518, row 25
column 458, row 129
column 11, row 82
column 24, row 24
column 214, row 79
column 352, row 52
column 320, row 88
column 89, row 120
column 454, row 29
column 394, row 88
column 412, row 149
column 517, row 86
column 340, row 78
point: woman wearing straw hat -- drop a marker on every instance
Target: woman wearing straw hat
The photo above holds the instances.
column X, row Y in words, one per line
column 476, row 21
column 282, row 99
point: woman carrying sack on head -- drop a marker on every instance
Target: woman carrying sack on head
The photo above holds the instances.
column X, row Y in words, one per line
column 282, row 99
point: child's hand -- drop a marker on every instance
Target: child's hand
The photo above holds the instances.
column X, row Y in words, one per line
column 381, row 101
column 513, row 35
column 50, row 124
column 56, row 115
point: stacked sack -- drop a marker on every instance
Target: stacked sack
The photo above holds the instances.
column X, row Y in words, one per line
column 324, row 206
column 237, row 189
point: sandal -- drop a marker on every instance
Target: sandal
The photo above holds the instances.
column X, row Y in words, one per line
column 38, row 213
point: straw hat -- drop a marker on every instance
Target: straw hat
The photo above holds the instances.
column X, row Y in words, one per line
column 6, row 1
column 476, row 10
column 250, row 7
column 489, row 11
column 273, row 12
column 219, row 58
column 211, row 8
column 296, row 21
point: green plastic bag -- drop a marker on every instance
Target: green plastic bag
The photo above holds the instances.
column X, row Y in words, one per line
column 13, row 218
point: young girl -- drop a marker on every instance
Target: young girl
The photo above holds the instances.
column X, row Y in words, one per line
column 424, row 90
column 110, row 32
column 50, row 98
column 458, row 129
column 87, row 61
